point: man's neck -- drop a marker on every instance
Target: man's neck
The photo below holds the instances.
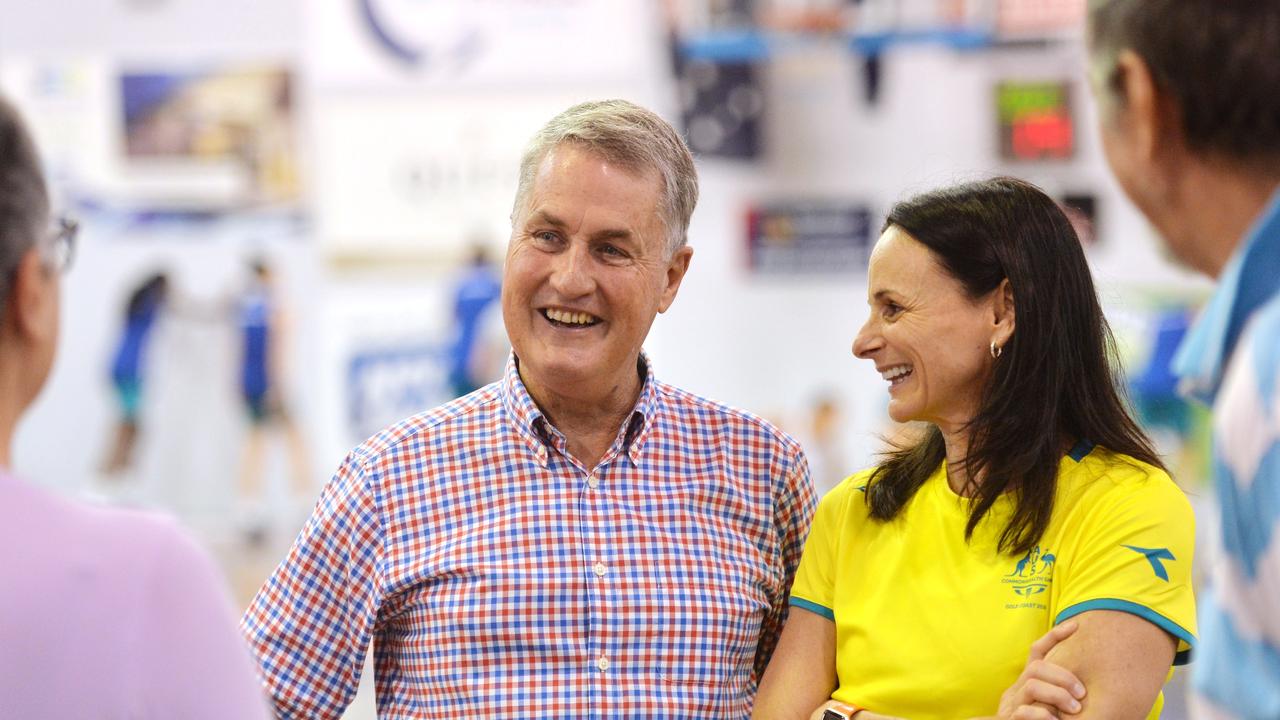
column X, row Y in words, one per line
column 1214, row 208
column 590, row 420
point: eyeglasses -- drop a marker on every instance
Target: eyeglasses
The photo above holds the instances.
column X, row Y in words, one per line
column 60, row 243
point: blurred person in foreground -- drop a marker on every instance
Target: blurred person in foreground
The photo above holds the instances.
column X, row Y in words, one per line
column 577, row 539
column 1190, row 112
column 103, row 613
column 1027, row 556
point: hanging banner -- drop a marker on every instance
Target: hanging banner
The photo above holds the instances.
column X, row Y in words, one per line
column 808, row 238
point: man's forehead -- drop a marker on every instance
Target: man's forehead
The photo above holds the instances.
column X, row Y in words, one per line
column 570, row 152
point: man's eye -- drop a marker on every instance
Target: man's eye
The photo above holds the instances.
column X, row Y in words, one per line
column 611, row 251
column 545, row 236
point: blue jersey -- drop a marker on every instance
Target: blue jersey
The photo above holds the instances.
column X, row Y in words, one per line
column 126, row 368
column 255, row 328
column 479, row 289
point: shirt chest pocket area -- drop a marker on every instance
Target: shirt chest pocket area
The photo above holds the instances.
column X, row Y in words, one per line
column 709, row 617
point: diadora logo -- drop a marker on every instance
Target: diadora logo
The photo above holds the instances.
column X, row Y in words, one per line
column 1032, row 574
column 1155, row 556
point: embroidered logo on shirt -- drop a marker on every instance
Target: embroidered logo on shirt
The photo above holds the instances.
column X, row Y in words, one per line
column 1155, row 556
column 1031, row 576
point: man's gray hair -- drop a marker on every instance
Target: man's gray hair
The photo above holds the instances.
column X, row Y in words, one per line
column 24, row 201
column 628, row 135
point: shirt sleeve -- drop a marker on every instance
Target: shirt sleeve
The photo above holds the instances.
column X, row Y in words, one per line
column 1133, row 554
column 793, row 513
column 814, row 587
column 311, row 623
column 197, row 665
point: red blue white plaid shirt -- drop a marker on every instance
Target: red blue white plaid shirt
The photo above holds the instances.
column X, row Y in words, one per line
column 498, row 577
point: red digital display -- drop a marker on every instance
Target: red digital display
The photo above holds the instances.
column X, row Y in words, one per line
column 1035, row 121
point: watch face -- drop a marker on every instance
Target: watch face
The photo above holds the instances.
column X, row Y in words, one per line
column 831, row 714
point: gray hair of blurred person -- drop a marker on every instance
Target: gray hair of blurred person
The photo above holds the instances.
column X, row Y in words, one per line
column 1216, row 58
column 24, row 200
column 628, row 135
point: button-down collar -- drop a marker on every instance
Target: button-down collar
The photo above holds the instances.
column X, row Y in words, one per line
column 539, row 434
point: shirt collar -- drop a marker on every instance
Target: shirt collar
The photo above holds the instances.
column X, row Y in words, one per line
column 1250, row 279
column 539, row 434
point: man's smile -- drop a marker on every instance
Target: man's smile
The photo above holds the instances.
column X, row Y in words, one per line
column 563, row 318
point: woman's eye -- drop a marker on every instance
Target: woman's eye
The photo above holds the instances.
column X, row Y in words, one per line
column 892, row 310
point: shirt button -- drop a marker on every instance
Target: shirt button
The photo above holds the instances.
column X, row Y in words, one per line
column 600, row 569
column 602, row 663
column 592, row 482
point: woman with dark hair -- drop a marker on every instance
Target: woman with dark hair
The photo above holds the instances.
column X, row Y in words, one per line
column 1026, row 555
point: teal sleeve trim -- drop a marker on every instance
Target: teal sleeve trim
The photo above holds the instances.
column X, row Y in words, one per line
column 1180, row 658
column 813, row 607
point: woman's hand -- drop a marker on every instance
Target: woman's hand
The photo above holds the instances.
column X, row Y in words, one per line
column 1043, row 691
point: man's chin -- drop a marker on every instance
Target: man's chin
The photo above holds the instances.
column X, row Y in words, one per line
column 559, row 374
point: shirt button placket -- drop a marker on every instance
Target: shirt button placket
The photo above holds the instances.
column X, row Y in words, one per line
column 595, row 504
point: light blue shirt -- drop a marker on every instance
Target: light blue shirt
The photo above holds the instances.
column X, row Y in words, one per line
column 1231, row 360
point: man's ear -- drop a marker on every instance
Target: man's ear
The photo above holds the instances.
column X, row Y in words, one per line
column 677, row 266
column 1148, row 114
column 31, row 295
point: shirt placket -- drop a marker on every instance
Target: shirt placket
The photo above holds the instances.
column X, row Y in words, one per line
column 595, row 555
column 599, row 563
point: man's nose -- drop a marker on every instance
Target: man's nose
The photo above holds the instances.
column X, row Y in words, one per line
column 572, row 275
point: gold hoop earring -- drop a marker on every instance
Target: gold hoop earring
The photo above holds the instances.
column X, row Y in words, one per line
column 996, row 350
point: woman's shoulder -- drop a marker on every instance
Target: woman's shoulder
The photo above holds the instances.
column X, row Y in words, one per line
column 1108, row 478
column 848, row 495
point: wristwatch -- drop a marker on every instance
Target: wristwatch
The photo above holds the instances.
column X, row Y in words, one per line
column 841, row 711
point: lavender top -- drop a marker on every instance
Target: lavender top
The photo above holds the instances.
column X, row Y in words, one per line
column 108, row 613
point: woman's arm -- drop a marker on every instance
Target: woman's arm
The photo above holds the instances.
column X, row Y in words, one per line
column 1121, row 658
column 802, row 674
column 1041, row 686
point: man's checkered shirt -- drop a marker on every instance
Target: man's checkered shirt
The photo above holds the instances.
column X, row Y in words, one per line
column 498, row 577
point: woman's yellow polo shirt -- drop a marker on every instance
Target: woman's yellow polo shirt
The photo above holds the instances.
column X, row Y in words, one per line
column 931, row 626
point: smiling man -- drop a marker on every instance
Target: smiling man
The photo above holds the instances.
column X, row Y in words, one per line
column 578, row 539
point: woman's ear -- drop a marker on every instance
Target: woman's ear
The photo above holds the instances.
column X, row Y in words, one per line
column 1003, row 314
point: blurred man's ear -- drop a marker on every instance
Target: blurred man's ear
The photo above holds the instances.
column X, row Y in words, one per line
column 1147, row 115
column 32, row 299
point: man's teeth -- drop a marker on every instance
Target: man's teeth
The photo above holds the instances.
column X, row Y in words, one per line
column 570, row 318
column 896, row 372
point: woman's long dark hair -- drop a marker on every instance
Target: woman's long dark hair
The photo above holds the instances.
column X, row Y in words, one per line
column 1056, row 379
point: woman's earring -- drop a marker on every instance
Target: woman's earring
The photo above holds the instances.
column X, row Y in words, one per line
column 996, row 350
